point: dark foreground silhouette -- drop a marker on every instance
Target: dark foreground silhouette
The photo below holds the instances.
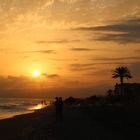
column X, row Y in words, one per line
column 79, row 123
column 59, row 109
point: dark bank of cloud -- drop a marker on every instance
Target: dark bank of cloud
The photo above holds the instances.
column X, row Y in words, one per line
column 13, row 82
column 21, row 82
column 63, row 41
column 127, row 31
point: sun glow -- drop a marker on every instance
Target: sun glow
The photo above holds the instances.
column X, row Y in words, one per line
column 39, row 106
column 36, row 73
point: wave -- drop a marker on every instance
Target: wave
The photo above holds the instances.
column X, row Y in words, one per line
column 17, row 106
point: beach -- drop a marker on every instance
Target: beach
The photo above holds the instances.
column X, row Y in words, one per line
column 22, row 126
column 78, row 124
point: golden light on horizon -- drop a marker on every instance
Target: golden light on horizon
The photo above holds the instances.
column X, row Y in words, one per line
column 39, row 106
column 36, row 73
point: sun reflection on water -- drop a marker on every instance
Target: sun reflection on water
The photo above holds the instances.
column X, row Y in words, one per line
column 37, row 107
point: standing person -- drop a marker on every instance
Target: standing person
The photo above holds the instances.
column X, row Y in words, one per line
column 56, row 108
column 60, row 108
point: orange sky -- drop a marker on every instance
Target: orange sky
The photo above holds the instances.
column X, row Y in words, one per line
column 73, row 43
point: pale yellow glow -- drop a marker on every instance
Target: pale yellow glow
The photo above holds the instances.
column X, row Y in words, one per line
column 36, row 73
column 39, row 106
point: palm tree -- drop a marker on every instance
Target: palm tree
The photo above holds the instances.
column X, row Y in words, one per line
column 121, row 72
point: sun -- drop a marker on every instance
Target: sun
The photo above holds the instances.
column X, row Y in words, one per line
column 36, row 73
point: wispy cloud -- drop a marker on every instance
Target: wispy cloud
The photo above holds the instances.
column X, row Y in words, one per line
column 92, row 66
column 137, row 50
column 81, row 49
column 41, row 51
column 127, row 31
column 63, row 59
column 63, row 41
column 116, row 59
column 100, row 72
column 135, row 69
column 51, row 76
column 45, row 51
column 82, row 67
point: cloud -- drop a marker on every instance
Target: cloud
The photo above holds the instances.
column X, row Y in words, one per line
column 63, row 59
column 137, row 50
column 81, row 49
column 51, row 76
column 91, row 66
column 101, row 72
column 127, row 31
column 72, row 82
column 40, row 51
column 82, row 67
column 135, row 69
column 63, row 41
column 22, row 82
column 45, row 51
column 116, row 59
column 15, row 82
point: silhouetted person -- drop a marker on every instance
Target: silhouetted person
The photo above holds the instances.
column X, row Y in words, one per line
column 56, row 107
column 59, row 108
column 42, row 102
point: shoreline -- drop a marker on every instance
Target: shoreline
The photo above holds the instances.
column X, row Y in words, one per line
column 16, row 114
column 25, row 113
column 19, row 126
column 9, row 115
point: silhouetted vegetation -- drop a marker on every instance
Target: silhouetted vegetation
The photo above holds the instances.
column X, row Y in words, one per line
column 121, row 72
column 72, row 101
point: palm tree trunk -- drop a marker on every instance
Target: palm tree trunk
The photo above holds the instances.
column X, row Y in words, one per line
column 121, row 80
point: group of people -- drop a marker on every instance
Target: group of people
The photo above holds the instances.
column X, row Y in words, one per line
column 59, row 108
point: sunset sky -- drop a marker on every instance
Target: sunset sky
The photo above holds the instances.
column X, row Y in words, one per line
column 72, row 43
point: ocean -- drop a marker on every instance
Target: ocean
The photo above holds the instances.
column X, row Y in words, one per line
column 10, row 107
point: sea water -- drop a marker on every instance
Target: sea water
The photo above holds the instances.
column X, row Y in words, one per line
column 10, row 107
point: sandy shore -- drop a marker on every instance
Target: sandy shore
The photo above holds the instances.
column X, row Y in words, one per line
column 27, row 125
column 98, row 123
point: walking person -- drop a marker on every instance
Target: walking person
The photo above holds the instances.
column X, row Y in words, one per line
column 59, row 108
column 56, row 108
